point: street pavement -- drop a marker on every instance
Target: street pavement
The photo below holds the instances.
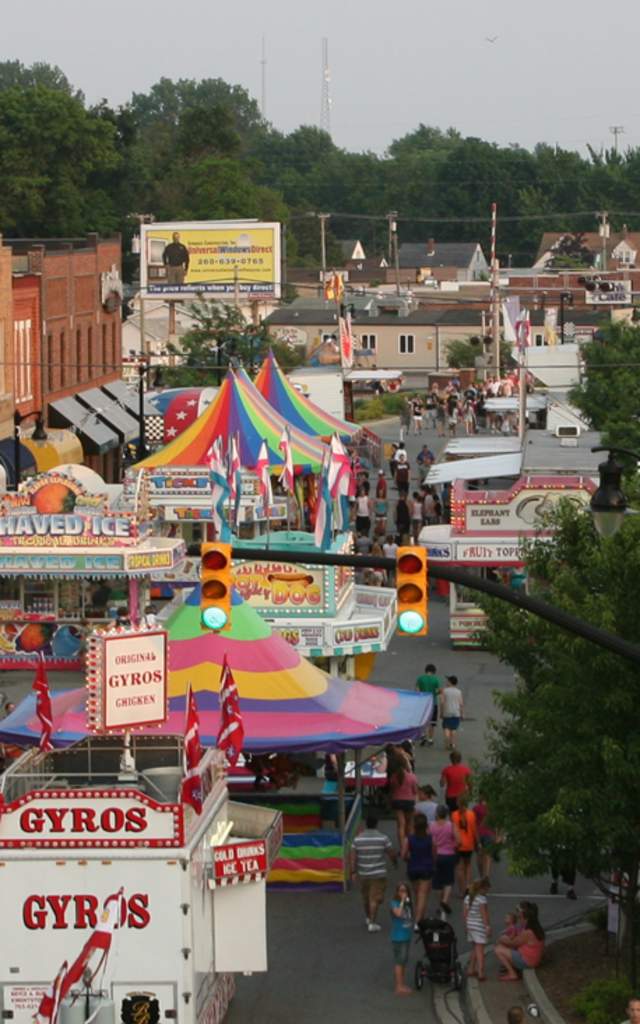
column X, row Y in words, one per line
column 323, row 964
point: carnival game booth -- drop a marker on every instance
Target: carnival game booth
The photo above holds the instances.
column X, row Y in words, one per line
column 289, row 707
column 485, row 536
column 69, row 558
column 179, row 477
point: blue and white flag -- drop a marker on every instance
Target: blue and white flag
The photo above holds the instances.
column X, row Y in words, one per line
column 219, row 492
column 323, row 531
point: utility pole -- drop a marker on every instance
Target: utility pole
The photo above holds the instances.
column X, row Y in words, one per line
column 616, row 129
column 604, row 231
column 495, row 291
column 325, row 90
column 263, row 80
column 394, row 252
column 323, row 218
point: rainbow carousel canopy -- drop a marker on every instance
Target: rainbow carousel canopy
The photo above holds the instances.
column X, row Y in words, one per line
column 238, row 410
column 273, row 384
column 287, row 703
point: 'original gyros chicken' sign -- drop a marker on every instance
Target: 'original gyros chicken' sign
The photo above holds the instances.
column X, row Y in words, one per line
column 127, row 677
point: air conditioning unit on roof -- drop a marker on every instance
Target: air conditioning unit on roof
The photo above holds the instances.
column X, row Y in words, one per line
column 568, row 430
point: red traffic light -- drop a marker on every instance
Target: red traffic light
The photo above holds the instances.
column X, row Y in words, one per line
column 410, row 563
column 214, row 559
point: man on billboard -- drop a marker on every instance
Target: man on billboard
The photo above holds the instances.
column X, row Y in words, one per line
column 176, row 260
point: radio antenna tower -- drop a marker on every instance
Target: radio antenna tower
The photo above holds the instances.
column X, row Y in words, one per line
column 616, row 129
column 325, row 94
column 263, row 78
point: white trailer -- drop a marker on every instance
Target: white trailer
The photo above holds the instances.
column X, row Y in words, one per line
column 74, row 830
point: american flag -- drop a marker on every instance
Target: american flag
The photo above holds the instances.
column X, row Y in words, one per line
column 231, row 735
column 43, row 705
column 191, row 789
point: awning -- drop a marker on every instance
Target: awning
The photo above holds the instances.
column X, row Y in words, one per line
column 61, row 446
column 467, row 447
column 7, row 460
column 96, row 437
column 475, row 469
column 128, row 398
column 534, row 404
column 110, row 412
column 371, row 374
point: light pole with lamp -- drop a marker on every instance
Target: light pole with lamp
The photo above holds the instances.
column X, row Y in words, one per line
column 608, row 503
column 39, row 434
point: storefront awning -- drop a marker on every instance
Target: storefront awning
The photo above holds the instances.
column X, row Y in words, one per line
column 475, row 469
column 128, row 398
column 110, row 412
column 7, row 460
column 61, row 446
column 96, row 437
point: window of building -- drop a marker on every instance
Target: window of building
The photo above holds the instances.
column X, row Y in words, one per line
column 114, row 359
column 406, row 344
column 22, row 376
column 626, row 256
column 539, row 339
column 79, row 359
column 103, row 354
column 368, row 341
column 51, row 368
column 92, row 360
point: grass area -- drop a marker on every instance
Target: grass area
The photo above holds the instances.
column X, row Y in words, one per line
column 379, row 406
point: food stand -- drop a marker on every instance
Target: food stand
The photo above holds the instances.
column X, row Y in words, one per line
column 485, row 536
column 69, row 560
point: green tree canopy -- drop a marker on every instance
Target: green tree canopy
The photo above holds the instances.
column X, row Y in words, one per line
column 609, row 394
column 564, row 774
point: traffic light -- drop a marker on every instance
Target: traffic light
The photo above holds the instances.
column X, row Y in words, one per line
column 412, row 591
column 215, row 586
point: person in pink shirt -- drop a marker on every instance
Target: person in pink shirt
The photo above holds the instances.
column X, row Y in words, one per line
column 524, row 949
column 403, row 790
column 445, row 843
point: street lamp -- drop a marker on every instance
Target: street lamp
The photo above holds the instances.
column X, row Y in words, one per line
column 608, row 503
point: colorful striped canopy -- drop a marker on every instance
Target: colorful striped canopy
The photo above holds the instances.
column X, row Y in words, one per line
column 296, row 409
column 287, row 703
column 238, row 410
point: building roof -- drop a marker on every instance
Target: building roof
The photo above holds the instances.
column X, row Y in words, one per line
column 309, row 317
column 444, row 254
column 591, row 240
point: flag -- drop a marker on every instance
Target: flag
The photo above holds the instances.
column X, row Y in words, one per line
column 324, row 512
column 511, row 317
column 191, row 789
column 231, row 734
column 342, row 482
column 286, row 476
column 219, row 492
column 113, row 910
column 346, row 341
column 233, row 468
column 523, row 330
column 264, row 477
column 43, row 705
column 334, row 287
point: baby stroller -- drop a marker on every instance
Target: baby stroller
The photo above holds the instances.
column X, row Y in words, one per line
column 440, row 962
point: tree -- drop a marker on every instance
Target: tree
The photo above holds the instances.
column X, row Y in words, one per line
column 54, row 156
column 14, row 74
column 462, row 355
column 609, row 394
column 220, row 339
column 571, row 251
column 564, row 775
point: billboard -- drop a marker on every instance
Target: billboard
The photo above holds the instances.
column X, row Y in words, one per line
column 213, row 258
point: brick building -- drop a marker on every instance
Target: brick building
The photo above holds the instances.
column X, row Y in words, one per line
column 72, row 289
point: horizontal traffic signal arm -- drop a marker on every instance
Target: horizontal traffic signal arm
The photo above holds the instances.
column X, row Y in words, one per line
column 454, row 574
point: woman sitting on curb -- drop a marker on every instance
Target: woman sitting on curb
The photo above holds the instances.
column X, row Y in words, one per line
column 522, row 950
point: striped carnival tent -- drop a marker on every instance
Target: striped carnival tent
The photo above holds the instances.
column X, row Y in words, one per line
column 298, row 410
column 239, row 410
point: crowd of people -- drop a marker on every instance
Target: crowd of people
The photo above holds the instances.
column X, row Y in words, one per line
column 452, row 407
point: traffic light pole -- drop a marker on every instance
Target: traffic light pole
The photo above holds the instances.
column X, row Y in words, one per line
column 454, row 574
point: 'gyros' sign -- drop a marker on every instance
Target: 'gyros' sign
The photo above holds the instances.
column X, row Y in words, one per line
column 127, row 675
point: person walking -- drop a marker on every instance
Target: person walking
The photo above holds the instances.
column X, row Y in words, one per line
column 441, row 416
column 452, row 710
column 417, row 410
column 402, row 469
column 418, row 853
column 476, row 919
column 401, row 934
column 430, row 683
column 363, row 512
column 416, row 516
column 427, row 803
column 455, row 779
column 403, row 791
column 370, row 851
column 464, row 822
column 403, row 519
column 444, row 845
column 487, row 837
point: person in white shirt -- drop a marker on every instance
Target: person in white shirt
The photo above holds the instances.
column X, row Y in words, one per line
column 451, row 709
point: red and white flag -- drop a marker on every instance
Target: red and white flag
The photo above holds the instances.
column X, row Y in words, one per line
column 286, row 475
column 231, row 735
column 43, row 705
column 264, row 477
column 191, row 788
column 233, row 468
column 346, row 342
column 98, row 944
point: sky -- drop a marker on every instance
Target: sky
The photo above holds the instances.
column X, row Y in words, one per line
column 559, row 71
